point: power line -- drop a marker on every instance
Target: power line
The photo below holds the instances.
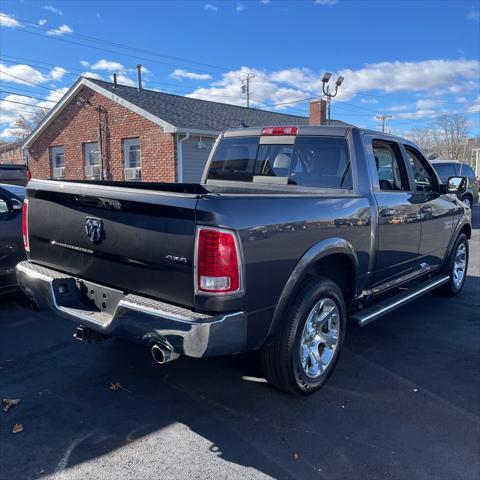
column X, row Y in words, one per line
column 30, row 96
column 27, row 81
column 128, row 47
column 26, row 104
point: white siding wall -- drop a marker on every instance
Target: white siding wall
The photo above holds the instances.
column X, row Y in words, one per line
column 194, row 158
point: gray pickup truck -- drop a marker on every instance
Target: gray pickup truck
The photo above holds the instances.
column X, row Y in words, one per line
column 292, row 232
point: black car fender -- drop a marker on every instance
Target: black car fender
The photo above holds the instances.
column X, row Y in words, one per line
column 320, row 250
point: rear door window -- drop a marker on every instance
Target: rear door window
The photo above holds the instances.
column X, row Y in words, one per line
column 322, row 162
column 389, row 165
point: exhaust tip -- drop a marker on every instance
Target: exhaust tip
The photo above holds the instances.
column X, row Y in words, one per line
column 162, row 355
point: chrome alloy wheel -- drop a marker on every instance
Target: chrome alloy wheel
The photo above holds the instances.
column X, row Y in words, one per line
column 319, row 337
column 466, row 201
column 459, row 265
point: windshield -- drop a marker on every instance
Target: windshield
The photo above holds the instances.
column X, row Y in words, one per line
column 311, row 162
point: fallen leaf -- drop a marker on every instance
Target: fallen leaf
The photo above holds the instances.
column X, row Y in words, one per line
column 9, row 402
column 118, row 386
column 17, row 428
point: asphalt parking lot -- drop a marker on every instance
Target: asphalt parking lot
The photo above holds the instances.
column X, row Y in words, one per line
column 404, row 403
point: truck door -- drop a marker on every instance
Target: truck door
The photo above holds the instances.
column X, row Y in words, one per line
column 436, row 210
column 399, row 227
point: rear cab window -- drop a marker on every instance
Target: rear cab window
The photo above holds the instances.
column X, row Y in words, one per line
column 309, row 161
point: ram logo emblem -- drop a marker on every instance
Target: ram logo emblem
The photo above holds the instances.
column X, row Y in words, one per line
column 94, row 229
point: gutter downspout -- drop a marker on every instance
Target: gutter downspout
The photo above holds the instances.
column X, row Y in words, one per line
column 180, row 156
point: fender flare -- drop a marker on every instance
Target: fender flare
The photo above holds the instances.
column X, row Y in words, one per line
column 464, row 220
column 322, row 249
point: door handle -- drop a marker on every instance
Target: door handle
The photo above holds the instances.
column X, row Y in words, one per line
column 427, row 210
column 388, row 212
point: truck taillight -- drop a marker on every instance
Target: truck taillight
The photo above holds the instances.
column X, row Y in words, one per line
column 218, row 265
column 273, row 131
column 26, row 240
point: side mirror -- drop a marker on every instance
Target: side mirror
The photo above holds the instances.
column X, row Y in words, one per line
column 17, row 205
column 456, row 185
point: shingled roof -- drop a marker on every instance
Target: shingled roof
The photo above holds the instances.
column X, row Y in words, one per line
column 186, row 112
column 174, row 113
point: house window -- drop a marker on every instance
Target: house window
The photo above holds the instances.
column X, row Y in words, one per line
column 92, row 160
column 132, row 159
column 58, row 162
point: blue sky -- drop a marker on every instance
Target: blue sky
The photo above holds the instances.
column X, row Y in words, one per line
column 410, row 59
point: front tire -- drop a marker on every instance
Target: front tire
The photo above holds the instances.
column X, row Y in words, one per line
column 305, row 351
column 456, row 267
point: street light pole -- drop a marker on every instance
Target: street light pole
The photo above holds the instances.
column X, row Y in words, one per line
column 326, row 91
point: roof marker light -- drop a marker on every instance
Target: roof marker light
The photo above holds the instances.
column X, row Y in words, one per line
column 273, row 131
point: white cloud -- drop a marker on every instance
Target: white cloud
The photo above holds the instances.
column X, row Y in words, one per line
column 57, row 73
column 124, row 80
column 19, row 103
column 240, row 7
column 297, row 83
column 461, row 100
column 475, row 107
column 52, row 97
column 26, row 75
column 84, row 63
column 12, row 106
column 179, row 74
column 92, row 75
column 210, row 8
column 8, row 21
column 21, row 74
column 410, row 76
column 60, row 31
column 474, row 15
column 264, row 2
column 107, row 65
column 325, row 2
column 42, row 22
column 52, row 9
column 368, row 100
column 7, row 133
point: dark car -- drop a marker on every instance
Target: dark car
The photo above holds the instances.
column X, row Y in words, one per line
column 293, row 230
column 11, row 244
column 14, row 175
column 447, row 169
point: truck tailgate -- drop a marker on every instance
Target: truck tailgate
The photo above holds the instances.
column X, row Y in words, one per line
column 146, row 244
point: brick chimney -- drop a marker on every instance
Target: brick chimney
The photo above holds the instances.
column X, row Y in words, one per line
column 318, row 112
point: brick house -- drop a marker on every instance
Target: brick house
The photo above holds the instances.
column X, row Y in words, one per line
column 115, row 132
column 11, row 154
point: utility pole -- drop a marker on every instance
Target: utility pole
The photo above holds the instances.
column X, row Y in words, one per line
column 246, row 87
column 383, row 118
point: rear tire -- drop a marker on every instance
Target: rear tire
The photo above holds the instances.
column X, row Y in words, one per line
column 456, row 267
column 305, row 351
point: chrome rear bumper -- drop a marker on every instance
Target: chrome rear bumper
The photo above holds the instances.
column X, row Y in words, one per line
column 139, row 318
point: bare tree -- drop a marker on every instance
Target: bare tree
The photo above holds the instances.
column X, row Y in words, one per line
column 446, row 137
column 424, row 138
column 450, row 135
column 24, row 125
